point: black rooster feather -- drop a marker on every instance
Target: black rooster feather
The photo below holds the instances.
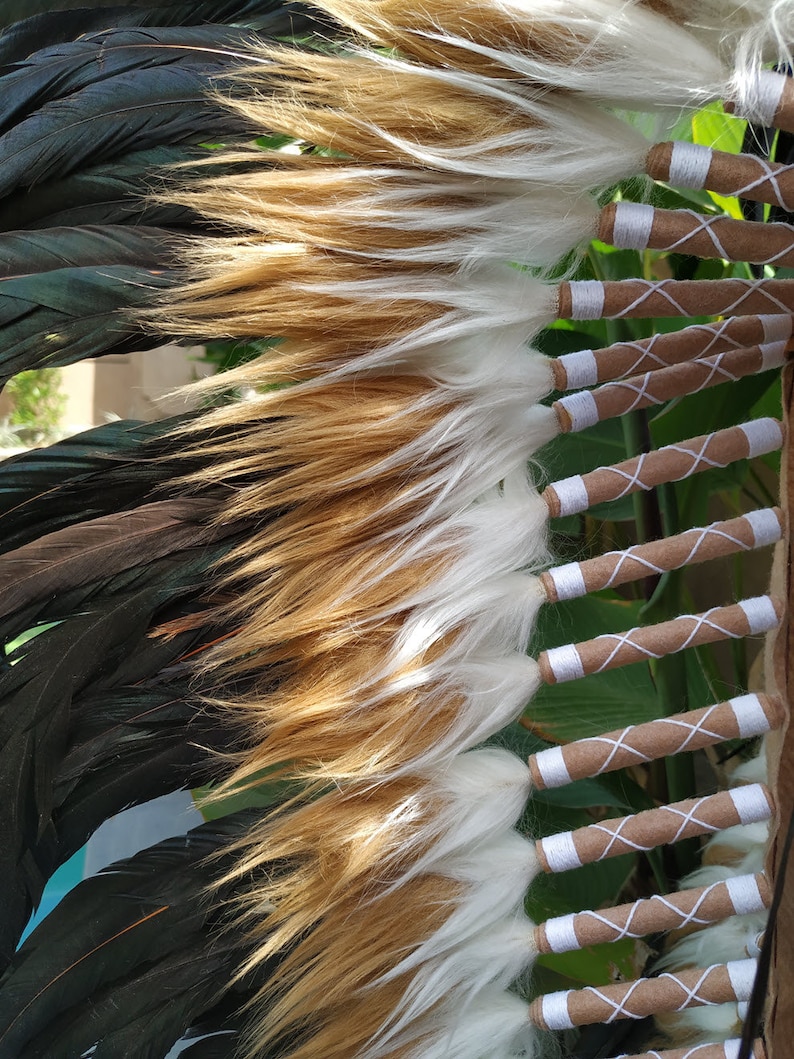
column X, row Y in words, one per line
column 97, row 105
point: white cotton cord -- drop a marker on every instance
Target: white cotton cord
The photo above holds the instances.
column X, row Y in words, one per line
column 765, row 525
column 551, row 766
column 763, row 435
column 632, row 225
column 760, row 614
column 773, row 354
column 587, row 299
column 733, row 852
column 750, row 717
column 581, row 369
column 568, row 581
column 572, row 495
column 751, row 803
column 560, row 852
column 565, row 663
column 720, row 942
column 758, row 94
column 744, row 894
column 777, row 326
column 689, row 165
column 554, row 1011
column 560, row 933
column 742, row 976
column 582, row 409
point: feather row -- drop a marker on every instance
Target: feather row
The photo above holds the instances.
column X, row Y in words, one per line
column 374, row 286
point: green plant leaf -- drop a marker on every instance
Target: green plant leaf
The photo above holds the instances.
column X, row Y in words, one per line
column 712, row 127
column 598, row 703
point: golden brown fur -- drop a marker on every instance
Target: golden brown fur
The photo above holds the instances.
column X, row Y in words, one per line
column 342, row 914
column 415, row 29
column 346, row 102
column 314, row 618
column 276, row 290
column 339, row 477
column 337, row 480
column 337, row 205
column 293, row 268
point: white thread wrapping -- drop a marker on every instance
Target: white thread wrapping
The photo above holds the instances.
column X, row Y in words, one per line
column 560, row 852
column 689, row 165
column 572, row 495
column 765, row 526
column 760, row 97
column 632, row 227
column 587, row 299
column 732, row 1048
column 551, row 766
column 760, row 614
column 773, row 354
column 742, row 976
column 750, row 717
column 751, row 803
column 582, row 409
column 565, row 663
column 568, row 581
column 763, row 435
column 555, row 1011
column 777, row 326
column 581, row 369
column 560, row 933
column 744, row 894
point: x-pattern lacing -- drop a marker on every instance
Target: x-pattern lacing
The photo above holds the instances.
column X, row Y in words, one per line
column 646, row 351
column 684, row 919
column 688, row 817
column 707, row 224
column 634, row 479
column 749, row 289
column 691, row 995
column 770, row 177
column 622, row 743
column 632, row 554
column 700, row 621
column 692, row 1053
column 642, row 387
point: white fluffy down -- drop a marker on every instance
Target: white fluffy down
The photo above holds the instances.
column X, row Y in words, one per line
column 495, row 1026
column 491, row 959
column 732, row 939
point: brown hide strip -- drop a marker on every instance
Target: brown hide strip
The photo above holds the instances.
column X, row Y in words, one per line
column 780, row 1011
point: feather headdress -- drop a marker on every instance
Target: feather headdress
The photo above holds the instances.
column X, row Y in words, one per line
column 323, row 595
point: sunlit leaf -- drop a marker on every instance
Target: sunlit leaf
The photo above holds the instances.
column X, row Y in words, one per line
column 712, row 127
